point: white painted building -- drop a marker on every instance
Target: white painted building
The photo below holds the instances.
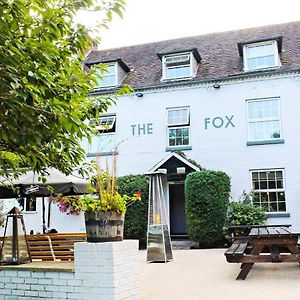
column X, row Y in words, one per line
column 229, row 101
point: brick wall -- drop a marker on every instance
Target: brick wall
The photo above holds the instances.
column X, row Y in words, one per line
column 102, row 271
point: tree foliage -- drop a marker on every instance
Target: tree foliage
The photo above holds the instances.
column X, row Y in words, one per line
column 44, row 89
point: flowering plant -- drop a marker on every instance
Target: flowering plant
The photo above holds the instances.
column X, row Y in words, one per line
column 71, row 205
column 104, row 196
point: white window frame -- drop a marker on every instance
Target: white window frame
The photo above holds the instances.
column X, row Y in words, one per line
column 101, row 150
column 278, row 190
column 106, row 74
column 253, row 45
column 189, row 64
column 106, row 127
column 103, row 131
column 178, row 125
column 249, row 121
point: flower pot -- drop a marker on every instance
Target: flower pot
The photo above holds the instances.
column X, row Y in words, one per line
column 104, row 226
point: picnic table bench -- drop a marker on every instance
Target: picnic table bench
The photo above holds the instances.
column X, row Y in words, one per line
column 265, row 243
column 53, row 246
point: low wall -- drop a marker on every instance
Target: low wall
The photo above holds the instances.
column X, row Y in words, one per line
column 100, row 271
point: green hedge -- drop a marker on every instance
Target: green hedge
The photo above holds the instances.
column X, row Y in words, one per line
column 245, row 214
column 136, row 217
column 206, row 201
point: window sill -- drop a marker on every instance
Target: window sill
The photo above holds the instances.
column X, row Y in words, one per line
column 177, row 79
column 28, row 212
column 265, row 142
column 261, row 70
column 179, row 148
column 278, row 215
column 101, row 154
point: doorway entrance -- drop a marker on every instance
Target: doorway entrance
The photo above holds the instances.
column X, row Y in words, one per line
column 177, row 209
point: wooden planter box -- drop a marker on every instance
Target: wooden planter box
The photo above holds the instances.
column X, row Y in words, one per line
column 104, row 226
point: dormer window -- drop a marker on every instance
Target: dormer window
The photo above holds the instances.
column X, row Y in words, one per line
column 179, row 65
column 113, row 75
column 261, row 54
column 109, row 77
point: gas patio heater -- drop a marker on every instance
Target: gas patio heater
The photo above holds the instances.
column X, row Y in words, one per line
column 159, row 248
column 15, row 248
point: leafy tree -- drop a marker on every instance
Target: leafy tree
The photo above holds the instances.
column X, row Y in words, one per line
column 44, row 89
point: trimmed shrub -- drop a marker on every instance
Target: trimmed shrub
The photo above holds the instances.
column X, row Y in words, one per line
column 245, row 214
column 136, row 217
column 242, row 212
column 206, row 201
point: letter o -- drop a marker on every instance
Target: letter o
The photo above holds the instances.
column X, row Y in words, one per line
column 217, row 122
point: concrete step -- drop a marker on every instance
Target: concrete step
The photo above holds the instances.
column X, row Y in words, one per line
column 183, row 244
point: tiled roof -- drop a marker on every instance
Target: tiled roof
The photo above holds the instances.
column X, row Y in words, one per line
column 219, row 53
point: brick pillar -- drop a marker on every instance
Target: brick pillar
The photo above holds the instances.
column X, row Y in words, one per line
column 108, row 270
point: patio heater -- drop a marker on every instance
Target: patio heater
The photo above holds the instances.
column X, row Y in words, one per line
column 159, row 248
column 15, row 248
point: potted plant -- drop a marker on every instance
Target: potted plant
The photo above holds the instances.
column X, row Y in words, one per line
column 104, row 208
column 105, row 211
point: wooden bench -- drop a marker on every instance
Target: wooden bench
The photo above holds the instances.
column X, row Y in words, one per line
column 53, row 246
column 236, row 251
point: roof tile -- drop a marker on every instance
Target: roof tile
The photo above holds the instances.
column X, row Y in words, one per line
column 219, row 53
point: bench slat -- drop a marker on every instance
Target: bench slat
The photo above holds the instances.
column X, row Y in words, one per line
column 236, row 251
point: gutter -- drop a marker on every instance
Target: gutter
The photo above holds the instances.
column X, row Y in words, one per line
column 213, row 80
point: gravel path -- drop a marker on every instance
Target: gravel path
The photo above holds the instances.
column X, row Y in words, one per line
column 205, row 275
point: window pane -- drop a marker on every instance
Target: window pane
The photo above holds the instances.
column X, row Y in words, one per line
column 261, row 56
column 177, row 59
column 109, row 80
column 102, row 143
column 178, row 116
column 281, row 196
column 179, row 136
column 273, row 206
column 255, row 198
column 178, row 72
column 264, row 184
column 281, row 206
column 264, row 123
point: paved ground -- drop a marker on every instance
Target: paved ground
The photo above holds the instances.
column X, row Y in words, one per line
column 205, row 275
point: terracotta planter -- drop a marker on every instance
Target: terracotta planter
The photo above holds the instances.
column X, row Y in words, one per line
column 104, row 226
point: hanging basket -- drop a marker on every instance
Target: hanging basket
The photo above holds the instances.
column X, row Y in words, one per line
column 104, row 226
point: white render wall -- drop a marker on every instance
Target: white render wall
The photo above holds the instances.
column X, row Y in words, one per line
column 213, row 148
column 216, row 148
column 102, row 271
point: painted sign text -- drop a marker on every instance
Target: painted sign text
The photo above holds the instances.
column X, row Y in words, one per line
column 142, row 129
column 219, row 122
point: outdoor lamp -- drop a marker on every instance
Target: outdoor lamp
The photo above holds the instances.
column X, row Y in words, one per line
column 15, row 248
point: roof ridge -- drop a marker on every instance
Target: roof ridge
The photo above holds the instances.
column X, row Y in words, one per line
column 200, row 35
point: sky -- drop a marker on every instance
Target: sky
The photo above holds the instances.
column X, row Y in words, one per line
column 146, row 21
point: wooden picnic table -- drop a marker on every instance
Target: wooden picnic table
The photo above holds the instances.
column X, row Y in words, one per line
column 264, row 244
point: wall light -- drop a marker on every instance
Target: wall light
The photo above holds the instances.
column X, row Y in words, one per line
column 139, row 94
